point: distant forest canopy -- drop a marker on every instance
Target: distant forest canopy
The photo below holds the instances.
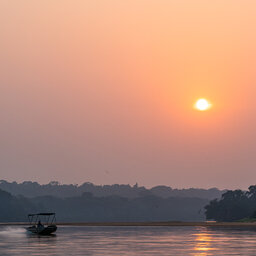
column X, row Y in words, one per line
column 88, row 208
column 54, row 188
column 233, row 206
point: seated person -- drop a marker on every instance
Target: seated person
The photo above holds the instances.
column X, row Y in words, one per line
column 40, row 225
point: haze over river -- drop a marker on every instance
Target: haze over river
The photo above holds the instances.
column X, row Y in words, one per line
column 69, row 240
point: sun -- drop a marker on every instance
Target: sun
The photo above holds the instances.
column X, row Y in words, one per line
column 202, row 105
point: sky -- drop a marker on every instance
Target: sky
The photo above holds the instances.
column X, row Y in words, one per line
column 103, row 91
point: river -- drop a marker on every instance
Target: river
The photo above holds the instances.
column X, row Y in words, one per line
column 199, row 241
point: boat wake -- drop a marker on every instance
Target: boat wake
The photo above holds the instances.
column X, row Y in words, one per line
column 12, row 232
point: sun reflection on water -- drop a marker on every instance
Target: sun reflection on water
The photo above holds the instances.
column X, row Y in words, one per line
column 203, row 245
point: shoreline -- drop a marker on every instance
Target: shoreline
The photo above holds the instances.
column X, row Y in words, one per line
column 144, row 224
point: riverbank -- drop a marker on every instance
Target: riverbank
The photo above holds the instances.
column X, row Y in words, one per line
column 145, row 224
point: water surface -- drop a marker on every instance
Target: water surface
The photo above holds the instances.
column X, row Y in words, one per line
column 200, row 241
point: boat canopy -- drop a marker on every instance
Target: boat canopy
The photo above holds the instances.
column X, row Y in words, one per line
column 45, row 217
column 42, row 214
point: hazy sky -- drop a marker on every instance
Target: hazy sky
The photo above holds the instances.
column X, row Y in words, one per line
column 103, row 91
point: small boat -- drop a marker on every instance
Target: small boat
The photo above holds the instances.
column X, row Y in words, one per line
column 42, row 223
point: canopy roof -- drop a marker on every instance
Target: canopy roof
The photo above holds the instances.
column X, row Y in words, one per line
column 42, row 214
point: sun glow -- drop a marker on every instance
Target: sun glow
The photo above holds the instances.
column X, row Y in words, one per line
column 202, row 105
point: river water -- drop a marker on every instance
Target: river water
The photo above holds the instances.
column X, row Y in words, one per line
column 200, row 241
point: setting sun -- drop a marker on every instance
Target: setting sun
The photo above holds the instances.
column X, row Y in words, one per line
column 202, row 105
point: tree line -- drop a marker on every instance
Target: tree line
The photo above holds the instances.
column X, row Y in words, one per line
column 54, row 188
column 89, row 208
column 233, row 206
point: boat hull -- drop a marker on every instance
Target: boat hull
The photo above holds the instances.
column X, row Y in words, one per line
column 42, row 230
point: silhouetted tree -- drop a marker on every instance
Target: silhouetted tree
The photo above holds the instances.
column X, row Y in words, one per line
column 233, row 205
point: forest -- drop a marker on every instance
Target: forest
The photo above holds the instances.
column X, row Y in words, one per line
column 54, row 188
column 234, row 205
column 89, row 208
column 125, row 203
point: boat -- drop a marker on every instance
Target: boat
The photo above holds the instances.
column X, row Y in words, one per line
column 42, row 223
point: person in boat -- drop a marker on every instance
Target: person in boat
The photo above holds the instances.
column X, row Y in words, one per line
column 39, row 225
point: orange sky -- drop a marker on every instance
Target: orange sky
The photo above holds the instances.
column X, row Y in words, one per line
column 103, row 91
